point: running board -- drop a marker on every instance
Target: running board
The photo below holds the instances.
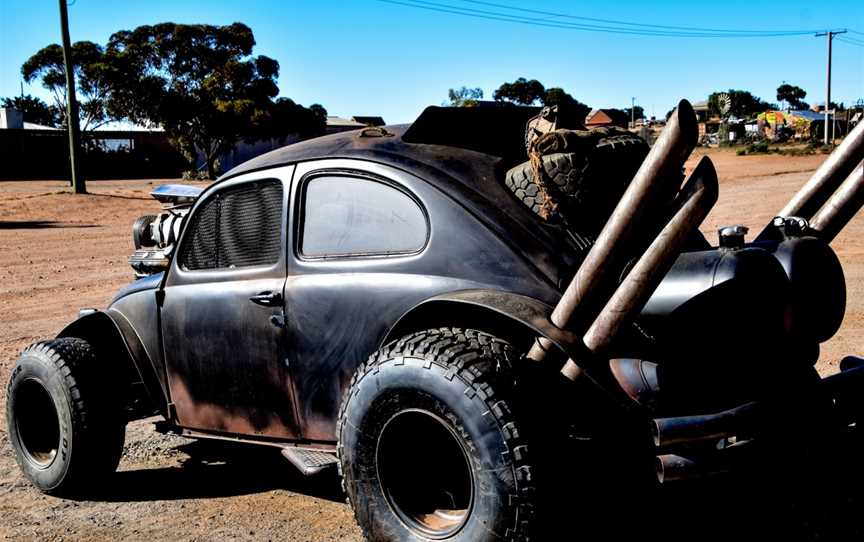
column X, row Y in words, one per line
column 309, row 461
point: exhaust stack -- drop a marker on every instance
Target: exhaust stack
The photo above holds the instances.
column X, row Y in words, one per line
column 828, row 177
column 693, row 204
column 656, row 177
column 843, row 205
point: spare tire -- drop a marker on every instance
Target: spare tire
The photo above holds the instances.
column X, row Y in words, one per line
column 586, row 182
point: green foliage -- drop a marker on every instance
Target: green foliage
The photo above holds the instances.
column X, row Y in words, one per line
column 93, row 76
column 744, row 104
column 792, row 95
column 284, row 112
column 757, row 147
column 463, row 97
column 203, row 85
column 194, row 175
column 525, row 92
column 34, row 110
column 521, row 92
column 566, row 103
column 640, row 113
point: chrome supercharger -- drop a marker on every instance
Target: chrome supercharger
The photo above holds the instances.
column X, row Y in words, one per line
column 155, row 236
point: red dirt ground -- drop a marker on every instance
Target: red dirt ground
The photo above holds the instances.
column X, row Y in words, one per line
column 63, row 251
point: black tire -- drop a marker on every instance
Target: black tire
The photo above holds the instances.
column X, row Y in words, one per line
column 586, row 185
column 63, row 417
column 409, row 412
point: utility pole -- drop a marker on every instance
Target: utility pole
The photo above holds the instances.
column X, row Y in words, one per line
column 632, row 112
column 830, row 35
column 77, row 181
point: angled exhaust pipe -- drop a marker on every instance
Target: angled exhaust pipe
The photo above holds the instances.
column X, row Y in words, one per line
column 656, row 177
column 822, row 184
column 693, row 204
column 843, row 205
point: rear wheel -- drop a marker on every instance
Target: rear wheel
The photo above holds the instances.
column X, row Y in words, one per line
column 430, row 445
column 63, row 417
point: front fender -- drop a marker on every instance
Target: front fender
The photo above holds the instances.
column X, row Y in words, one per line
column 113, row 338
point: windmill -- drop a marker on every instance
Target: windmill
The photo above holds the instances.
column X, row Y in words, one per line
column 724, row 104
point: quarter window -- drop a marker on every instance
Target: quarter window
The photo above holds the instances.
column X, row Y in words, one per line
column 345, row 216
column 239, row 226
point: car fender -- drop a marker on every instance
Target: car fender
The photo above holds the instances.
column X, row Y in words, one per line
column 113, row 338
column 517, row 317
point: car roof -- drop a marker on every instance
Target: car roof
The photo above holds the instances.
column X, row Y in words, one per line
column 464, row 152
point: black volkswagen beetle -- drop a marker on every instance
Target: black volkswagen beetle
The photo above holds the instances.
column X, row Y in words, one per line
column 403, row 304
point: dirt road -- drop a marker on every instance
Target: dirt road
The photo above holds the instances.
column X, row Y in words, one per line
column 61, row 252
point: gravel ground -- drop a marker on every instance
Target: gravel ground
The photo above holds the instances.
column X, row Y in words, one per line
column 64, row 251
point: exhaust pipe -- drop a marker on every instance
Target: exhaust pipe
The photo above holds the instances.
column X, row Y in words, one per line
column 693, row 204
column 830, row 174
column 681, row 430
column 654, row 178
column 674, row 468
column 843, row 205
column 843, row 388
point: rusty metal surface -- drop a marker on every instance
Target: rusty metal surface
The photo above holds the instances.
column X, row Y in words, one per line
column 830, row 174
column 695, row 201
column 656, row 177
column 843, row 205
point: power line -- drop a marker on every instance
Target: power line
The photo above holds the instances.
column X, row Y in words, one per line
column 851, row 41
column 625, row 23
column 498, row 16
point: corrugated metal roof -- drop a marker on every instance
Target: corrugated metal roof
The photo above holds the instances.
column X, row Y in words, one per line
column 808, row 114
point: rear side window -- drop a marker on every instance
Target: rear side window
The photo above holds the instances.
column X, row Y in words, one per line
column 352, row 216
column 240, row 226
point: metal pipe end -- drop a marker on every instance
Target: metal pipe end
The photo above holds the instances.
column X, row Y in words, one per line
column 655, row 432
column 687, row 122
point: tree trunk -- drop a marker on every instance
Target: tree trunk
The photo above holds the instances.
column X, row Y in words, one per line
column 211, row 167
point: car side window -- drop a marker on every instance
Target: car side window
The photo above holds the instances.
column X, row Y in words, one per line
column 359, row 216
column 239, row 226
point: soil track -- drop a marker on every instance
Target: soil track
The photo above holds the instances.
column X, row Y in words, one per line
column 62, row 251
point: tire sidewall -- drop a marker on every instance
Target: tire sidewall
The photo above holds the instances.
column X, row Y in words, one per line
column 407, row 383
column 35, row 367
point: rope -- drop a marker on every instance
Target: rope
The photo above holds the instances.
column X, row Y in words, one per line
column 548, row 207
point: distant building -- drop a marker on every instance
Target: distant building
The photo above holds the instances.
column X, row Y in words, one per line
column 370, row 121
column 341, row 124
column 702, row 110
column 11, row 119
column 606, row 117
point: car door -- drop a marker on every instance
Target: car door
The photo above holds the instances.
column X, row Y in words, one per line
column 222, row 316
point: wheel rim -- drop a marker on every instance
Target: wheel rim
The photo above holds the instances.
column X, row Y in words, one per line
column 425, row 473
column 37, row 423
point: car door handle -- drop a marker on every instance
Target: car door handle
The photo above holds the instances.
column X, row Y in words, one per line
column 267, row 299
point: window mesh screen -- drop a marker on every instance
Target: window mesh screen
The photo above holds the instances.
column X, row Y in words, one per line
column 239, row 227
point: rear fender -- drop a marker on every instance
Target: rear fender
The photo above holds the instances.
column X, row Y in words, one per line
column 520, row 320
column 517, row 318
column 111, row 342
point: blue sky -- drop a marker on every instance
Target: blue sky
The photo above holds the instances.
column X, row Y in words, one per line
column 365, row 57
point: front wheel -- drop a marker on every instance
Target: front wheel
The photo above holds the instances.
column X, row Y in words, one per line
column 63, row 418
column 430, row 445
